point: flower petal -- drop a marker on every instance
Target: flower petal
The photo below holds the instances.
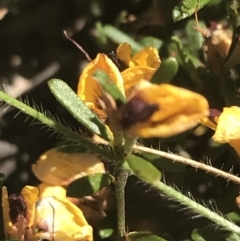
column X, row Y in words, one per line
column 207, row 122
column 54, row 217
column 134, row 75
column 60, row 218
column 228, row 127
column 59, row 168
column 89, row 90
column 30, row 196
column 161, row 110
column 147, row 57
column 8, row 226
column 124, row 53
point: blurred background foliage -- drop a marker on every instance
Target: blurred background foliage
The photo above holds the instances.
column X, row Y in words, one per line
column 33, row 50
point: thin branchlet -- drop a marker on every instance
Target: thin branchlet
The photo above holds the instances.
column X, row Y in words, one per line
column 190, row 162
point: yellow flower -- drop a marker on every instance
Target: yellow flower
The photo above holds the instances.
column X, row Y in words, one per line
column 161, row 110
column 151, row 110
column 226, row 126
column 19, row 212
column 58, row 218
column 141, row 66
column 89, row 90
column 47, row 209
column 59, row 168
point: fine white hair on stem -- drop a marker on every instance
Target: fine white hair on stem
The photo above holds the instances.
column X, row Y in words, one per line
column 190, row 162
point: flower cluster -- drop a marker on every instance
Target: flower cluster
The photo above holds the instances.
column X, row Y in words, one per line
column 150, row 110
column 46, row 208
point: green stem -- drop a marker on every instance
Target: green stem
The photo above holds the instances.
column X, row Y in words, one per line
column 121, row 176
column 53, row 124
column 196, row 207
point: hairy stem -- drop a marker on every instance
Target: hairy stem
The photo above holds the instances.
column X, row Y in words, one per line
column 198, row 208
column 55, row 125
column 190, row 162
column 121, row 176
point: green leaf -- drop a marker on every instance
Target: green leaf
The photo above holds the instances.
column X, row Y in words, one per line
column 195, row 38
column 68, row 98
column 196, row 236
column 120, row 37
column 234, row 217
column 88, row 185
column 187, row 61
column 144, row 169
column 1, row 178
column 166, row 72
column 163, row 163
column 206, row 234
column 109, row 86
column 105, row 233
column 68, row 133
column 143, row 236
column 186, row 8
column 151, row 41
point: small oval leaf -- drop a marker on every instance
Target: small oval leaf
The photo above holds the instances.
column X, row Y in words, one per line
column 68, row 98
column 166, row 72
column 105, row 233
column 144, row 169
column 186, row 8
column 194, row 37
column 88, row 185
column 143, row 236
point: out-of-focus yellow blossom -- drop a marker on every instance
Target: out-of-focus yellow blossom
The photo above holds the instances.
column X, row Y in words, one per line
column 226, row 126
column 60, row 169
column 141, row 66
column 161, row 110
column 48, row 210
column 20, row 225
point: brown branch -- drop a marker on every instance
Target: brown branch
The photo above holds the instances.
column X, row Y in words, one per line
column 189, row 162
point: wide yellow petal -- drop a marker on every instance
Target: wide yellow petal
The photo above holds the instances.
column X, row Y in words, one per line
column 228, row 127
column 161, row 110
column 59, row 168
column 134, row 75
column 60, row 218
column 124, row 53
column 89, row 90
column 58, row 222
column 147, row 57
column 30, row 196
column 8, row 226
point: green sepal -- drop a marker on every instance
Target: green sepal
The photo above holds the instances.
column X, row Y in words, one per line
column 186, row 8
column 144, row 169
column 68, row 98
column 109, row 86
column 88, row 185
